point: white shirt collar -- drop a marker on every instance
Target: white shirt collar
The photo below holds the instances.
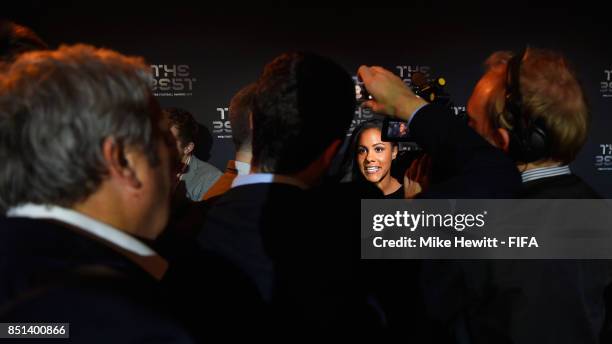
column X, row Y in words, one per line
column 266, row 178
column 86, row 223
column 544, row 172
column 242, row 167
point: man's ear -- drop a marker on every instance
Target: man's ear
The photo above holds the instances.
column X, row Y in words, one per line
column 119, row 164
column 394, row 152
column 502, row 138
column 189, row 148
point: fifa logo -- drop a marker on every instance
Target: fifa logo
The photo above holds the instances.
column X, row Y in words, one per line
column 222, row 128
column 603, row 161
column 458, row 109
column 606, row 84
column 405, row 72
column 172, row 80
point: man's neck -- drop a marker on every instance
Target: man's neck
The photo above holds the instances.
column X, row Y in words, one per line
column 106, row 206
column 244, row 157
column 537, row 164
column 100, row 209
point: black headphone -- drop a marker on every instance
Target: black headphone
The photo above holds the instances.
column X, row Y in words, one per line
column 528, row 139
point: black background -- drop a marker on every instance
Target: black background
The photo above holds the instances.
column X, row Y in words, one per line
column 227, row 48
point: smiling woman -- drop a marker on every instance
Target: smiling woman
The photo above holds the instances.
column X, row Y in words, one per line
column 373, row 158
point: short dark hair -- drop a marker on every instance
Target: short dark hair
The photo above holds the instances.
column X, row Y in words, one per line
column 303, row 103
column 185, row 124
column 239, row 113
column 17, row 39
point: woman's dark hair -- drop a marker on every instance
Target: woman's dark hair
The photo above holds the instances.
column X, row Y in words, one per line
column 350, row 168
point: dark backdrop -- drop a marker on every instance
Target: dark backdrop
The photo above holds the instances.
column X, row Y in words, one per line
column 201, row 57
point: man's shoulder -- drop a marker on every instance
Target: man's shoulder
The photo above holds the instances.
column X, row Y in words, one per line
column 204, row 169
column 200, row 176
column 48, row 249
column 59, row 272
column 222, row 185
column 128, row 309
column 245, row 205
column 263, row 191
column 568, row 186
column 10, row 223
column 43, row 236
column 254, row 198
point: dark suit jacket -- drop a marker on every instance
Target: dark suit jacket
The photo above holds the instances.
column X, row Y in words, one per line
column 299, row 251
column 465, row 165
column 504, row 301
column 567, row 186
column 50, row 272
column 525, row 301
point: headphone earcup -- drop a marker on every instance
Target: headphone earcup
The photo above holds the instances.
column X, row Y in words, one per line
column 516, row 146
column 528, row 139
column 536, row 143
column 529, row 144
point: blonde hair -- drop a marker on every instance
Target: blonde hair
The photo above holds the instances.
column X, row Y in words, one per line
column 551, row 91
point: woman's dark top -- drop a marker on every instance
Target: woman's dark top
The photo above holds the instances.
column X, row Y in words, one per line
column 398, row 194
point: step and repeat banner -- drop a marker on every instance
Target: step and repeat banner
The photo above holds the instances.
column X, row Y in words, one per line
column 200, row 58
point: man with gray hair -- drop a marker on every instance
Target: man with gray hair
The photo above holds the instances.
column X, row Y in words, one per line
column 86, row 174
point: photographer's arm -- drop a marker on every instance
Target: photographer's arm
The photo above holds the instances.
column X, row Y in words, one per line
column 391, row 96
column 472, row 167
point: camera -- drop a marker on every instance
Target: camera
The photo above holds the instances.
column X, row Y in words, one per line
column 395, row 130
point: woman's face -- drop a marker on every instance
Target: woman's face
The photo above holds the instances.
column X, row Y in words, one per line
column 403, row 129
column 374, row 156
